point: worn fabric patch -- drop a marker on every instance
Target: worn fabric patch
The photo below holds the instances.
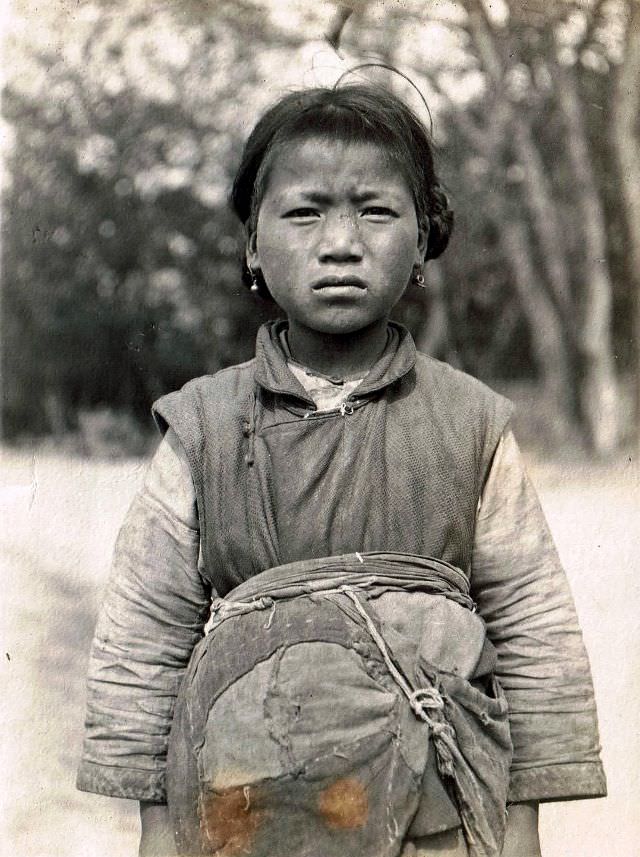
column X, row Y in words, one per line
column 315, row 735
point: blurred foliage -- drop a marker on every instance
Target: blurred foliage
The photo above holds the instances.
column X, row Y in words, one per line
column 121, row 258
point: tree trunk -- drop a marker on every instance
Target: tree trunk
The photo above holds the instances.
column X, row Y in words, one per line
column 549, row 320
column 599, row 393
column 547, row 334
column 541, row 204
column 626, row 137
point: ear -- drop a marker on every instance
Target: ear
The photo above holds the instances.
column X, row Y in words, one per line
column 251, row 252
column 423, row 241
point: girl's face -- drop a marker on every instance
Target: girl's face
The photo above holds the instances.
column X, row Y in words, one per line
column 337, row 235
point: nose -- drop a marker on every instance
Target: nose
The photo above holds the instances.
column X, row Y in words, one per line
column 340, row 240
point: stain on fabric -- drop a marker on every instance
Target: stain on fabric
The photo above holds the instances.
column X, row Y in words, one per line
column 344, row 804
column 230, row 820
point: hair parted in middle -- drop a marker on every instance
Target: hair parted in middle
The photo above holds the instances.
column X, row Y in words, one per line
column 353, row 113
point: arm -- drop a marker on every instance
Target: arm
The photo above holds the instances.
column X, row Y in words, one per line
column 153, row 614
column 523, row 595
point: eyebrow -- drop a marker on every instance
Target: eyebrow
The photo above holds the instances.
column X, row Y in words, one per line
column 321, row 197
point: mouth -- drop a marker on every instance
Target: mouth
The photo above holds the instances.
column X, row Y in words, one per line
column 339, row 283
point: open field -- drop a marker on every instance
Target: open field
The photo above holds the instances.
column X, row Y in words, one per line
column 58, row 521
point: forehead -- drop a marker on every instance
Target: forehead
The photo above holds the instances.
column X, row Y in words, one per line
column 333, row 166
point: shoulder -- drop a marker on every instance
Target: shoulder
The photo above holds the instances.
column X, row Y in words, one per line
column 220, row 384
column 460, row 398
column 222, row 391
column 444, row 378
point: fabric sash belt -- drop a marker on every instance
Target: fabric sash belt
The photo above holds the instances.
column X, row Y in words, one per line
column 377, row 572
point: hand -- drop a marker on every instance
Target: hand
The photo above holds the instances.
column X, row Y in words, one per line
column 522, row 838
column 156, row 839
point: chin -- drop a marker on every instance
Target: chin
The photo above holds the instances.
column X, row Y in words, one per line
column 340, row 328
column 342, row 323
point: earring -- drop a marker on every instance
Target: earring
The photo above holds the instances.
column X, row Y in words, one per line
column 255, row 288
column 418, row 278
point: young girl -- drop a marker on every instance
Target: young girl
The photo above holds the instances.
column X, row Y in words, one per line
column 392, row 663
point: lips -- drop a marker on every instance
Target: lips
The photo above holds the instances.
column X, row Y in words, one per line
column 338, row 283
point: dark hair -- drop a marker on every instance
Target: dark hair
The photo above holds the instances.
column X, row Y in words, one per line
column 355, row 113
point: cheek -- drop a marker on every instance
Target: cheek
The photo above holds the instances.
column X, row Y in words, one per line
column 279, row 264
column 273, row 246
column 279, row 268
column 400, row 252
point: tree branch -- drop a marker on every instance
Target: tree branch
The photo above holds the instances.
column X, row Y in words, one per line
column 471, row 132
column 484, row 38
column 334, row 33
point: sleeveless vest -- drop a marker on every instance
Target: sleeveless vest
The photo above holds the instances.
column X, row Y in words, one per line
column 399, row 468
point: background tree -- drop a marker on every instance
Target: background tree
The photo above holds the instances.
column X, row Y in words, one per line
column 121, row 259
column 532, row 147
column 626, row 138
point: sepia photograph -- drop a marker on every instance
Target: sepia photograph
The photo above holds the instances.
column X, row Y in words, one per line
column 320, row 428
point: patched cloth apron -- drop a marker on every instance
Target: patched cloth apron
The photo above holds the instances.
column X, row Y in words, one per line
column 337, row 707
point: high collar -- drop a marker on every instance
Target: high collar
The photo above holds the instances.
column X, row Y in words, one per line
column 273, row 373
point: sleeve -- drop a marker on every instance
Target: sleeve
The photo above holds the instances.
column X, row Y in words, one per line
column 152, row 616
column 523, row 595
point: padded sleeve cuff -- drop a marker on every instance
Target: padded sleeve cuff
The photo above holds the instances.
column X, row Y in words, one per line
column 134, row 783
column 570, row 781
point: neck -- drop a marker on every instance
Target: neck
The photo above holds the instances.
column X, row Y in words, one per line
column 338, row 355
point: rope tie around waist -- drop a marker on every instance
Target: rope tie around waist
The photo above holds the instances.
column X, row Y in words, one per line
column 422, row 700
column 426, row 698
column 222, row 609
column 426, row 703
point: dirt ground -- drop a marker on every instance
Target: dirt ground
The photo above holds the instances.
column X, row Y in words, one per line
column 58, row 521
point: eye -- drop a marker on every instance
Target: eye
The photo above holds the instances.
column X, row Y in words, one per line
column 303, row 214
column 378, row 213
